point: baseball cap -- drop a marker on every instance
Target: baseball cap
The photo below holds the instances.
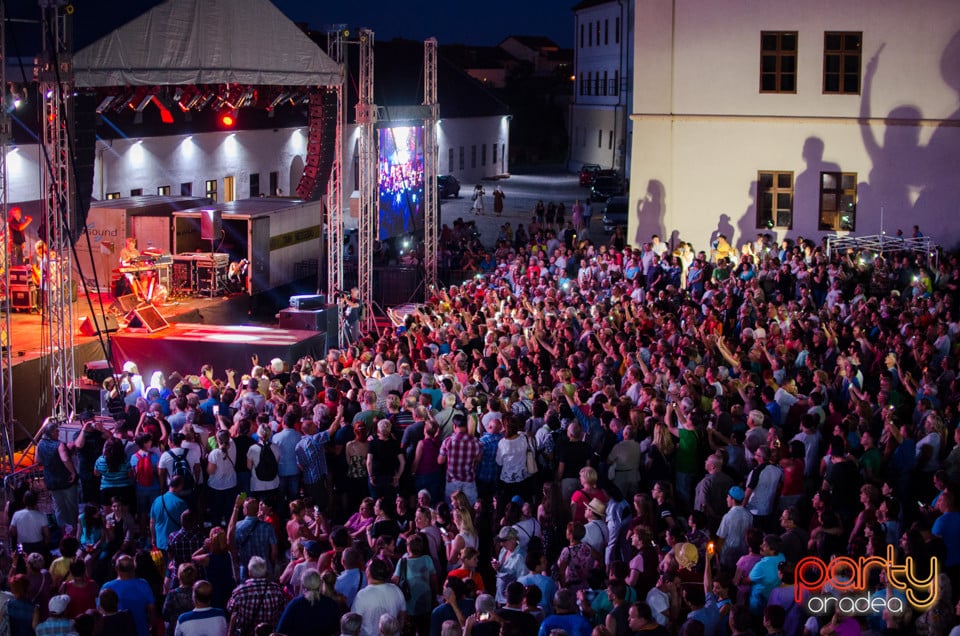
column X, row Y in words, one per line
column 736, row 492
column 58, row 604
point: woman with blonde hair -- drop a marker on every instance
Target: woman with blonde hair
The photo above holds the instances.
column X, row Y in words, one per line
column 587, row 492
column 217, row 563
column 466, row 537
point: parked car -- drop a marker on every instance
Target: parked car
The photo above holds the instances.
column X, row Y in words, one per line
column 587, row 172
column 615, row 213
column 608, row 183
column 448, row 186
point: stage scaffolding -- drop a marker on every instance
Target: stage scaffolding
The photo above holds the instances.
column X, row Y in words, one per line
column 430, row 168
column 335, row 49
column 6, row 357
column 881, row 245
column 366, row 118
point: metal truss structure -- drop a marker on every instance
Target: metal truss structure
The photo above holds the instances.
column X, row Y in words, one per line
column 882, row 245
column 6, row 357
column 54, row 74
column 335, row 49
column 430, row 167
column 366, row 118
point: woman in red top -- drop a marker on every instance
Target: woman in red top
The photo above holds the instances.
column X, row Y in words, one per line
column 588, row 490
column 792, row 465
column 82, row 591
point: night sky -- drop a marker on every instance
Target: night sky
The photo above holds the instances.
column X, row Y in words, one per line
column 450, row 21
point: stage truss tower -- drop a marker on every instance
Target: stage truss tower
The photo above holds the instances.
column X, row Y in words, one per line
column 335, row 49
column 6, row 357
column 366, row 119
column 54, row 74
column 430, row 168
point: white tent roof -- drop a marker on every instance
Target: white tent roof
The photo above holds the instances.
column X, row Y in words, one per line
column 182, row 42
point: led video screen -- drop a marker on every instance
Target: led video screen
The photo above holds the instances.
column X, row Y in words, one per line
column 400, row 185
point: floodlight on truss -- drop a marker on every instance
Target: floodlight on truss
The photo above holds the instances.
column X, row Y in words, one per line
column 105, row 103
column 276, row 100
column 144, row 103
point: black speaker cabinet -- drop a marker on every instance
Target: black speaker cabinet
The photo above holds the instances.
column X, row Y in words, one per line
column 96, row 371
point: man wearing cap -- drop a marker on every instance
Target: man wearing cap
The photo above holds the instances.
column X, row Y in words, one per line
column 59, row 475
column 510, row 564
column 733, row 528
column 596, row 530
column 57, row 624
column 460, row 453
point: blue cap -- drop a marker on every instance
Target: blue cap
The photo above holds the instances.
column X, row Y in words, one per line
column 517, row 499
column 737, row 493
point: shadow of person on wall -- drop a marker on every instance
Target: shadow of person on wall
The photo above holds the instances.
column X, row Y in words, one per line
column 896, row 164
column 725, row 228
column 650, row 212
column 941, row 157
column 806, row 188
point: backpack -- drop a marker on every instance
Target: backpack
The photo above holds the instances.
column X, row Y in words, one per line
column 181, row 467
column 267, row 468
column 145, row 475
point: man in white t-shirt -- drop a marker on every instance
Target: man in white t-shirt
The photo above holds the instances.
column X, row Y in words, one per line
column 379, row 597
column 29, row 526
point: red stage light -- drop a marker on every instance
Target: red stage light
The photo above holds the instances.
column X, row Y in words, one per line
column 228, row 120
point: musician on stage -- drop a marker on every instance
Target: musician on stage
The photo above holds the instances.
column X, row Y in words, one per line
column 129, row 253
column 17, row 224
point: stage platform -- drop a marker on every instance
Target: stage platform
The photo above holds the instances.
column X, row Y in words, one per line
column 201, row 330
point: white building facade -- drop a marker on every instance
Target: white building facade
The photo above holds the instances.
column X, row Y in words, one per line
column 795, row 119
column 602, row 94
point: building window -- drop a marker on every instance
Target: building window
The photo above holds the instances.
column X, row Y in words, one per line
column 210, row 189
column 136, row 192
column 473, row 156
column 599, row 139
column 483, row 155
column 186, row 189
column 606, row 32
column 274, row 184
column 255, row 185
column 581, row 36
column 589, row 35
column 589, row 82
column 494, row 151
column 616, row 31
column 113, row 195
column 450, row 160
column 616, row 82
column 838, row 201
column 778, row 62
column 598, row 32
column 841, row 62
column 163, row 191
column 774, row 200
column 597, row 82
column 605, row 85
column 462, row 164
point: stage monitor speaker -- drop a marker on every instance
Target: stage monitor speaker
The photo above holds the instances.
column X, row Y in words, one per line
column 96, row 371
column 100, row 324
column 308, row 301
column 211, row 225
column 128, row 302
column 148, row 316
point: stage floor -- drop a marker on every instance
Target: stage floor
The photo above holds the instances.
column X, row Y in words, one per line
column 219, row 330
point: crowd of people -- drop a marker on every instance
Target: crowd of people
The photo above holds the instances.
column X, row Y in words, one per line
column 605, row 440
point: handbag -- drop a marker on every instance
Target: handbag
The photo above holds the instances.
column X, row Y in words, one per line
column 403, row 583
column 532, row 466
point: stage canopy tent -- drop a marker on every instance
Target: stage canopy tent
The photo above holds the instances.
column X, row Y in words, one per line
column 184, row 42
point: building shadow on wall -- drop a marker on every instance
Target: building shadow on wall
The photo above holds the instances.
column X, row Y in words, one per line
column 650, row 212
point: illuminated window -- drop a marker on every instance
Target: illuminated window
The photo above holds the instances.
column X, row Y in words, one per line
column 113, row 195
column 778, row 62
column 774, row 200
column 163, row 191
column 838, row 201
column 841, row 62
column 210, row 189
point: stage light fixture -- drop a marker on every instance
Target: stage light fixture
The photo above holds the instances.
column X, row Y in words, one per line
column 178, row 94
column 228, row 118
column 144, row 103
column 276, row 100
column 105, row 103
